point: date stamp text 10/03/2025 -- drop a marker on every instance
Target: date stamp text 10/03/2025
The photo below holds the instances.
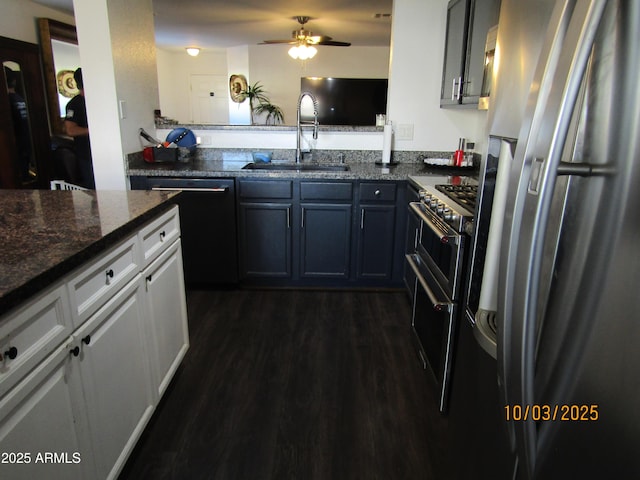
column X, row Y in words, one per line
column 547, row 413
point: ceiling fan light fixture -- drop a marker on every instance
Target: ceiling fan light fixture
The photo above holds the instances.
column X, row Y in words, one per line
column 302, row 52
column 193, row 51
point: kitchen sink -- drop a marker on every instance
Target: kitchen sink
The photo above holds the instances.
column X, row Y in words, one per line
column 302, row 167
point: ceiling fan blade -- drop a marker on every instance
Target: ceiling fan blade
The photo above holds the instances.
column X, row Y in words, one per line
column 271, row 42
column 316, row 39
column 334, row 43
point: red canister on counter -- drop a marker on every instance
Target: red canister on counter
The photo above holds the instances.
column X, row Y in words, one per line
column 147, row 155
column 458, row 156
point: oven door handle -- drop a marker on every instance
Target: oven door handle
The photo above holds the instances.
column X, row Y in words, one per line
column 438, row 305
column 445, row 237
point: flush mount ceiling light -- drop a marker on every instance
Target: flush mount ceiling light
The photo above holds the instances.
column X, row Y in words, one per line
column 193, row 51
column 303, row 41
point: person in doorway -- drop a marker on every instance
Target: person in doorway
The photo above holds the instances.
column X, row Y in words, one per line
column 76, row 126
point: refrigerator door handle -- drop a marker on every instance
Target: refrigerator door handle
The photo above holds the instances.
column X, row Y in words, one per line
column 584, row 169
column 561, row 81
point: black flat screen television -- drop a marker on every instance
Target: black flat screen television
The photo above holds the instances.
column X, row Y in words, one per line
column 347, row 101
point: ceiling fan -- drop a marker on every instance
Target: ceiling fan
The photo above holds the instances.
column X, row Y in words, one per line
column 304, row 40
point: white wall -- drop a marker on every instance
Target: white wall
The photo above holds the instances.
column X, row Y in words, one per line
column 418, row 37
column 173, row 79
column 238, row 64
column 18, row 19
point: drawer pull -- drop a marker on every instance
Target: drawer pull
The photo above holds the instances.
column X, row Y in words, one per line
column 75, row 351
column 162, row 235
column 87, row 340
column 377, row 193
column 12, row 353
column 109, row 273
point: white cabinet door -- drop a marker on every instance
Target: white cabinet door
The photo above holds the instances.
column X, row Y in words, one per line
column 167, row 314
column 116, row 378
column 43, row 428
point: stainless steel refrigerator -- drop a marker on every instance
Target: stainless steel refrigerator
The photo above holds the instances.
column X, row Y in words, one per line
column 568, row 288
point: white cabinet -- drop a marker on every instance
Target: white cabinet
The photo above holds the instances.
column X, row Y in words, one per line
column 84, row 395
column 166, row 305
column 31, row 333
column 44, row 415
column 116, row 379
column 100, row 279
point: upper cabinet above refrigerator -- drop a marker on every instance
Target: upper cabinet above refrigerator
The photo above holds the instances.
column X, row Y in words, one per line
column 468, row 22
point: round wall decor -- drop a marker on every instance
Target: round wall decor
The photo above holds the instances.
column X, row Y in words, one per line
column 67, row 84
column 237, row 85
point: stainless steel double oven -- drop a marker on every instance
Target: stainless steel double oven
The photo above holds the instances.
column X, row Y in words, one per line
column 435, row 269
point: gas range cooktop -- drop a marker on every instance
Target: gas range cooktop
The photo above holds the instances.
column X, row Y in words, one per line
column 452, row 199
column 464, row 195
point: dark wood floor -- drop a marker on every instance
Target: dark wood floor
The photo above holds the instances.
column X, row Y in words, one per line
column 284, row 384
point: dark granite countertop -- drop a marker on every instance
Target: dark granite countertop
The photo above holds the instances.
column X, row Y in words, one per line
column 359, row 170
column 45, row 234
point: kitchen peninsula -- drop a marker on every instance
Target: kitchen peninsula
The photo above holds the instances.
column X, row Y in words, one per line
column 93, row 325
column 46, row 233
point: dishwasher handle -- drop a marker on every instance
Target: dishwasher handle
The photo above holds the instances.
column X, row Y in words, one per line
column 191, row 189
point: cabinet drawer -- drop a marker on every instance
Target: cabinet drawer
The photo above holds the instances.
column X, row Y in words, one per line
column 94, row 284
column 266, row 189
column 326, row 191
column 159, row 234
column 32, row 332
column 378, row 192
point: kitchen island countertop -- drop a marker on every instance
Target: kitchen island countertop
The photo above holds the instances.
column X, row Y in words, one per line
column 45, row 234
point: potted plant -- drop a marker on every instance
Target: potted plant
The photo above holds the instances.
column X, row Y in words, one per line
column 259, row 103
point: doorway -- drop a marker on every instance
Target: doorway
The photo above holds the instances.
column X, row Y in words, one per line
column 25, row 151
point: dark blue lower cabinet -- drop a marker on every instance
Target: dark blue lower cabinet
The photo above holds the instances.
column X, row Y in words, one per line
column 265, row 239
column 376, row 241
column 325, row 240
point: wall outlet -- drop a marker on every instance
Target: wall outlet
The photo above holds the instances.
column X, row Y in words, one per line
column 404, row 131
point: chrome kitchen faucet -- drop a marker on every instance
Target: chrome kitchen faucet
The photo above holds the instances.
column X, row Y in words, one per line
column 299, row 123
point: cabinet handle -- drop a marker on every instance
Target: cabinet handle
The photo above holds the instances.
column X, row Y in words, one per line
column 87, row 340
column 377, row 193
column 75, row 351
column 362, row 219
column 302, row 220
column 12, row 353
column 162, row 235
column 149, row 278
column 453, row 89
column 288, row 217
column 109, row 274
column 459, row 96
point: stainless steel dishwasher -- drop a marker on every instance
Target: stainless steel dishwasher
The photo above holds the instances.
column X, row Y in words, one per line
column 208, row 224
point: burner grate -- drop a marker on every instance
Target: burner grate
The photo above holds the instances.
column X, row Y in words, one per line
column 464, row 195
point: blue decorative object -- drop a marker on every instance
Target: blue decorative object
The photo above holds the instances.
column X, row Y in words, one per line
column 183, row 137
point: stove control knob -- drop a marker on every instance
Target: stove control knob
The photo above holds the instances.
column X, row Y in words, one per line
column 423, row 195
column 433, row 203
column 440, row 209
column 453, row 218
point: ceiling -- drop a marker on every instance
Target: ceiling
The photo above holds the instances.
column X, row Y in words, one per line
column 228, row 23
